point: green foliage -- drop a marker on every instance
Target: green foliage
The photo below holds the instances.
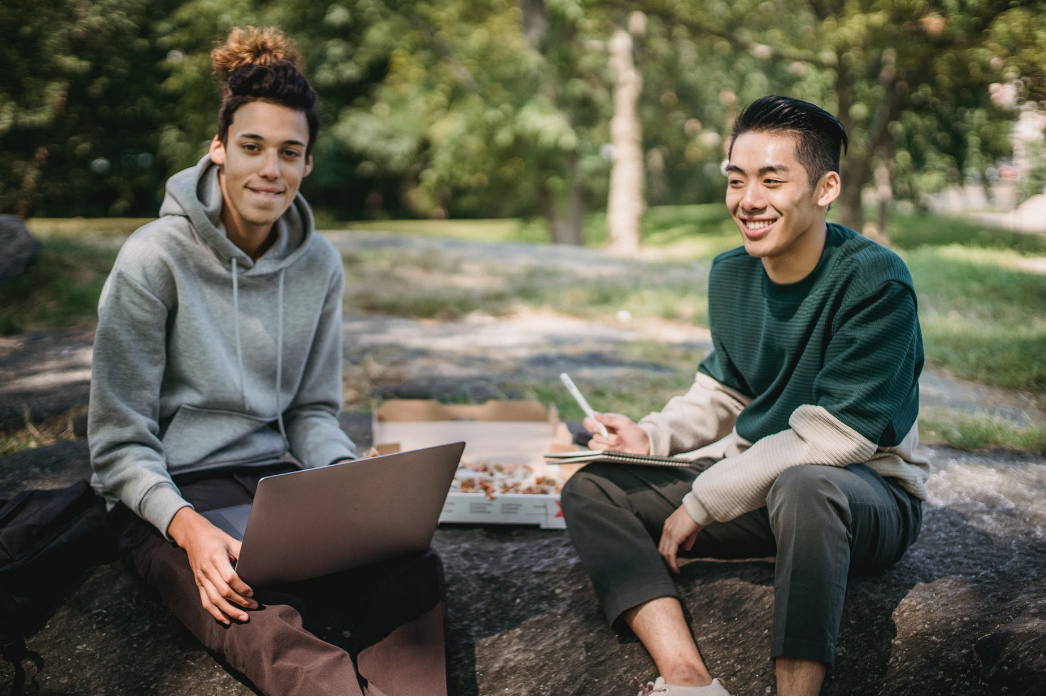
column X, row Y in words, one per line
column 1017, row 42
column 80, row 107
column 467, row 109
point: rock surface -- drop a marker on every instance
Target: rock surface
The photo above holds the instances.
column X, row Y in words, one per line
column 43, row 374
column 20, row 247
column 963, row 613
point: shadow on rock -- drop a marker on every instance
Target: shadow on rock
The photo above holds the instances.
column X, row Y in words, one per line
column 962, row 613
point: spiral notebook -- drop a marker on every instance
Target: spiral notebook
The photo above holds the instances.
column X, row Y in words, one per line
column 585, row 456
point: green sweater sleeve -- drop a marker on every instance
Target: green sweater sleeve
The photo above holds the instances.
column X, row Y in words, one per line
column 870, row 364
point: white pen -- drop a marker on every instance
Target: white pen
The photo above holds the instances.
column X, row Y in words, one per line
column 580, row 399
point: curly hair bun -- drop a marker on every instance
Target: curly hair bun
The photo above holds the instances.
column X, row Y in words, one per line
column 245, row 46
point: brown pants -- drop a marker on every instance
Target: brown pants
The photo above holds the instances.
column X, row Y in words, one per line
column 393, row 612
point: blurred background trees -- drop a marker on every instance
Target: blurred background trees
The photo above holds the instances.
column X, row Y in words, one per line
column 520, row 108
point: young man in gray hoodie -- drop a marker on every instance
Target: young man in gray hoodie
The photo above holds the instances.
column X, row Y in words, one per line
column 217, row 353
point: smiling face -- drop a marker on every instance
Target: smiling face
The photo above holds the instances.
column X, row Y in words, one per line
column 263, row 162
column 780, row 215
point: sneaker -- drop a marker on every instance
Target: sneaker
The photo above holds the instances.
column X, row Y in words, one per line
column 660, row 687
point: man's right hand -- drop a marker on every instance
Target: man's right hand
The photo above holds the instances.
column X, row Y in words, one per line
column 622, row 434
column 211, row 555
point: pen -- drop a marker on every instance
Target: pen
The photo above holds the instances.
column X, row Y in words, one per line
column 580, row 399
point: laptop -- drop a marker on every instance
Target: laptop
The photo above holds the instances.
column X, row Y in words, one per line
column 310, row 523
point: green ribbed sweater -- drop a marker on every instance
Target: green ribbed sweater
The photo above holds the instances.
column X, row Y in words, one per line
column 846, row 338
column 824, row 371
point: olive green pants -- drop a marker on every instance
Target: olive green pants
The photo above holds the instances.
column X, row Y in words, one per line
column 822, row 524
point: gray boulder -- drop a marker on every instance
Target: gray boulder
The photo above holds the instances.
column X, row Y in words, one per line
column 20, row 248
column 963, row 613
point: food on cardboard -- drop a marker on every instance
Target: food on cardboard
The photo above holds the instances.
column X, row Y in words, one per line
column 504, row 478
column 493, row 480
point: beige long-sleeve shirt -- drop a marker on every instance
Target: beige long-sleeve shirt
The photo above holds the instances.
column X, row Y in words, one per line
column 701, row 423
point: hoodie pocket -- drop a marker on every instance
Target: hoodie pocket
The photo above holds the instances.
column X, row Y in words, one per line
column 203, row 437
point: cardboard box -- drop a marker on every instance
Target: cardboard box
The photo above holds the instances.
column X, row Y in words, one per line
column 497, row 432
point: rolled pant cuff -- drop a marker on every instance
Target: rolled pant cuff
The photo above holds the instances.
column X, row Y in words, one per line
column 799, row 649
column 621, row 601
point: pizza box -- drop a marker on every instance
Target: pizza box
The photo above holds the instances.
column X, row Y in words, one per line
column 513, row 432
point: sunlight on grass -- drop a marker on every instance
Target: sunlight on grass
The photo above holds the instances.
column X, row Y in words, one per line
column 386, row 280
column 983, row 314
column 678, row 232
column 504, row 230
column 634, row 398
column 914, row 230
column 50, row 431
column 979, row 431
column 77, row 228
column 61, row 288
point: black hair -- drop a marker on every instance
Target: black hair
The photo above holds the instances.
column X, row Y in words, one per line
column 819, row 137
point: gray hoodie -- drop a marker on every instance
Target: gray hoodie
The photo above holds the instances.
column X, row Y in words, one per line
column 205, row 360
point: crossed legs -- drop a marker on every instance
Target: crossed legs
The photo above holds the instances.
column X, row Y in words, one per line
column 821, row 523
column 395, row 611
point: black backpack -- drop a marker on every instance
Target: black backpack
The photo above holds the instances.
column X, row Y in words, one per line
column 48, row 538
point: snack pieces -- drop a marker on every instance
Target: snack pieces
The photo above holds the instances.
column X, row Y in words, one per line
column 493, row 480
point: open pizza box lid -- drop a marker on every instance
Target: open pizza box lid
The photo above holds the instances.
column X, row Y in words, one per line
column 496, row 432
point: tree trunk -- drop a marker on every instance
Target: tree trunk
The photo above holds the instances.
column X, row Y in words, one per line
column 563, row 229
column 535, row 23
column 884, row 192
column 625, row 203
column 850, row 198
column 566, row 229
column 857, row 164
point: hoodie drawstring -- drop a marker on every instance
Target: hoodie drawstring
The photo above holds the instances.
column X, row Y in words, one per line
column 279, row 345
column 279, row 358
column 236, row 323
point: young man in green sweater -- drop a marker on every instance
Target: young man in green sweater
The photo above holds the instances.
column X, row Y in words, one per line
column 807, row 404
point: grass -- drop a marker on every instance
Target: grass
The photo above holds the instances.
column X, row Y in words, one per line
column 60, row 289
column 48, row 432
column 982, row 292
column 914, row 230
column 979, row 431
column 983, row 314
column 509, row 230
column 634, row 398
column 80, row 228
column 386, row 280
column 688, row 231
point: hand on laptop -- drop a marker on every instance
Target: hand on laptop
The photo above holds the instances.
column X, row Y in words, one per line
column 623, row 435
column 211, row 555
